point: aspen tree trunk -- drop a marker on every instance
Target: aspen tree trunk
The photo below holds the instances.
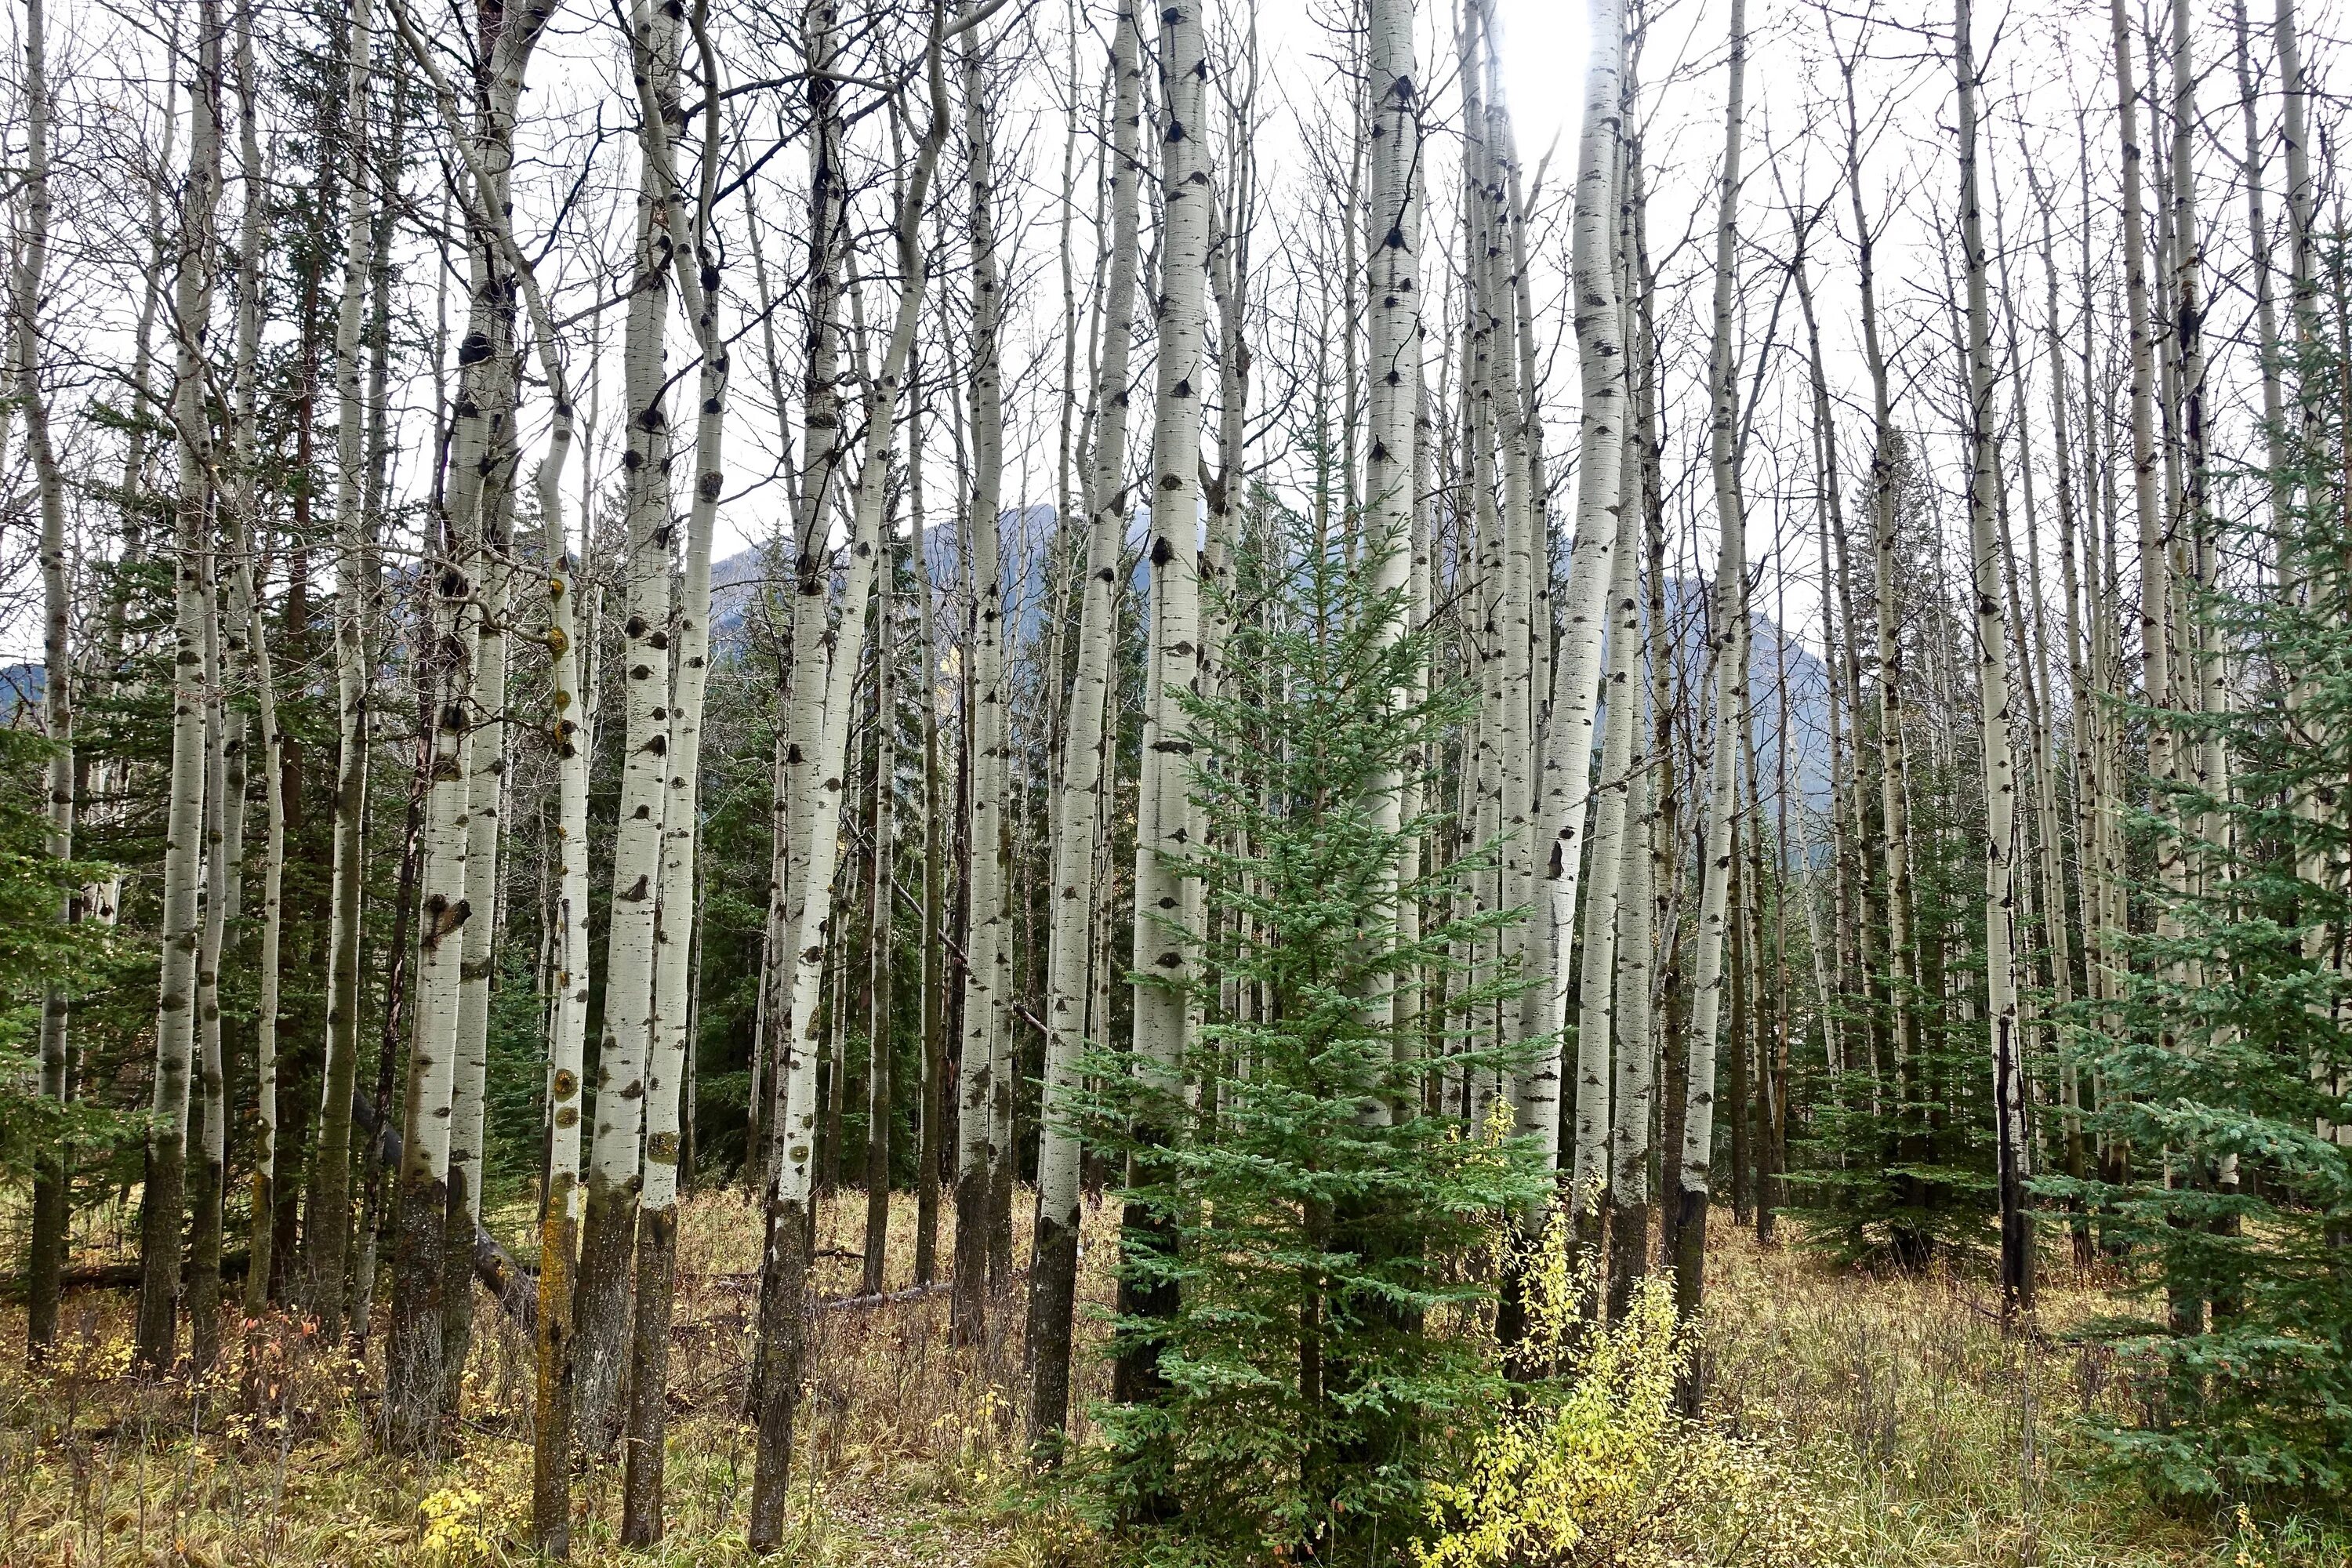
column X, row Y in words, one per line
column 1513, row 415
column 1162, row 951
column 1594, row 573
column 413, row 1389
column 881, row 911
column 1752, row 1090
column 1894, row 785
column 821, row 425
column 480, row 495
column 52, row 1214
column 654, row 46
column 821, row 458
column 1482, row 548
column 568, row 1026
column 786, row 1260
column 457, row 891
column 2034, row 664
column 1697, row 1153
column 2258, row 236
column 224, row 822
column 614, row 1177
column 1646, row 492
column 2208, row 759
column 1637, row 1048
column 1086, row 740
column 1594, row 1170
column 2081, row 703
column 326, row 1235
column 163, row 1195
column 1393, row 314
column 2155, row 576
column 261, row 1230
column 1737, row 1148
column 932, row 1145
column 469, row 1083
column 988, row 971
column 2155, row 565
column 2301, row 200
column 1992, row 691
column 1620, row 856
column 226, row 636
column 2057, row 920
column 1856, row 937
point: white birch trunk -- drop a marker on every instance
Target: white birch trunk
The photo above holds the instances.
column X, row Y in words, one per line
column 1592, row 565
column 784, row 1266
column 327, row 1232
column 1075, row 895
column 987, row 971
column 1637, row 1047
column 52, row 1212
column 1162, row 949
column 614, row 1174
column 164, row 1191
column 671, row 1066
column 1730, row 628
column 1393, row 291
column 1992, row 692
column 1604, row 898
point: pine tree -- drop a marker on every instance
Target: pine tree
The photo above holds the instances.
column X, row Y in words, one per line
column 1303, row 1203
column 2228, row 1062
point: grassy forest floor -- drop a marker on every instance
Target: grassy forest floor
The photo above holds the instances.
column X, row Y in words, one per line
column 1917, row 1432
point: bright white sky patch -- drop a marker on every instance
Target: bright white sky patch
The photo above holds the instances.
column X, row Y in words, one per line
column 1543, row 71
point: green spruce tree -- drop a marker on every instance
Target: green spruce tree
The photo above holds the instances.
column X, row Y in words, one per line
column 1321, row 1214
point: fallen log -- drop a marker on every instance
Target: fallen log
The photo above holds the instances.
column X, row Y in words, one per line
column 511, row 1283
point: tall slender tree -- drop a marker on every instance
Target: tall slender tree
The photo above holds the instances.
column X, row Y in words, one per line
column 785, row 1255
column 164, row 1193
column 1729, row 636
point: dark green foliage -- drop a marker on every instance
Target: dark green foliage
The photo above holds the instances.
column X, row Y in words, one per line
column 514, row 1083
column 2228, row 1070
column 1316, row 1366
column 37, row 949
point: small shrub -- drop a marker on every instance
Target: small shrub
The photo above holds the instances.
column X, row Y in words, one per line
column 1596, row 1468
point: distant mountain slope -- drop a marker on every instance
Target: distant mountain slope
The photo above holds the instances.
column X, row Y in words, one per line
column 740, row 578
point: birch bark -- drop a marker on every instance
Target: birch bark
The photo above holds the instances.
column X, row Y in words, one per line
column 1055, row 1250
column 785, row 1257
column 654, row 46
column 614, row 1176
column 261, row 1230
column 164, row 1192
column 327, row 1236
column 51, row 1212
column 1591, row 570
column 1392, row 289
column 1637, row 1047
column 1731, row 629
column 1163, row 950
column 987, row 971
column 1593, row 1171
column 1992, row 691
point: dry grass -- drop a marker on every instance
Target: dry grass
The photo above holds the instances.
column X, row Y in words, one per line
column 1926, row 1435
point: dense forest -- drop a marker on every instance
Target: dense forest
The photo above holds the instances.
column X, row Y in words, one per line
column 1036, row 780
